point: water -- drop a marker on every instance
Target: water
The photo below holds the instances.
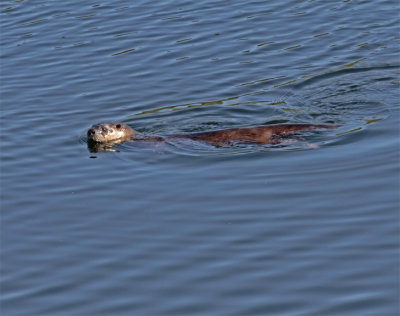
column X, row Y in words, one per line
column 186, row 228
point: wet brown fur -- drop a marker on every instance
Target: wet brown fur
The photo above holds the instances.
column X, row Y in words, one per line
column 262, row 135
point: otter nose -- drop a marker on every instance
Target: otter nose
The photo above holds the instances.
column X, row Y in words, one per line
column 91, row 132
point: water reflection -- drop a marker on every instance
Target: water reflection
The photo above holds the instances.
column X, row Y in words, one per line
column 95, row 147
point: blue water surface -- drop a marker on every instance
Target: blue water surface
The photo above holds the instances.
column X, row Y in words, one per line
column 185, row 228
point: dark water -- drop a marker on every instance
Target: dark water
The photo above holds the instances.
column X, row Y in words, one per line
column 185, row 228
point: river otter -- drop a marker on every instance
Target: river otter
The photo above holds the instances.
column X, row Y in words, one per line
column 110, row 134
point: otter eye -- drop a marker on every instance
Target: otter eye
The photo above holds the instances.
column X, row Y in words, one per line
column 118, row 126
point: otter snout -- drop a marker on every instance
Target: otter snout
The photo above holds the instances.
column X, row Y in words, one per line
column 91, row 132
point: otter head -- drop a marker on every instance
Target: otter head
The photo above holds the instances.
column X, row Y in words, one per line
column 110, row 132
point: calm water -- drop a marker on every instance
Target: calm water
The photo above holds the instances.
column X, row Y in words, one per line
column 185, row 228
